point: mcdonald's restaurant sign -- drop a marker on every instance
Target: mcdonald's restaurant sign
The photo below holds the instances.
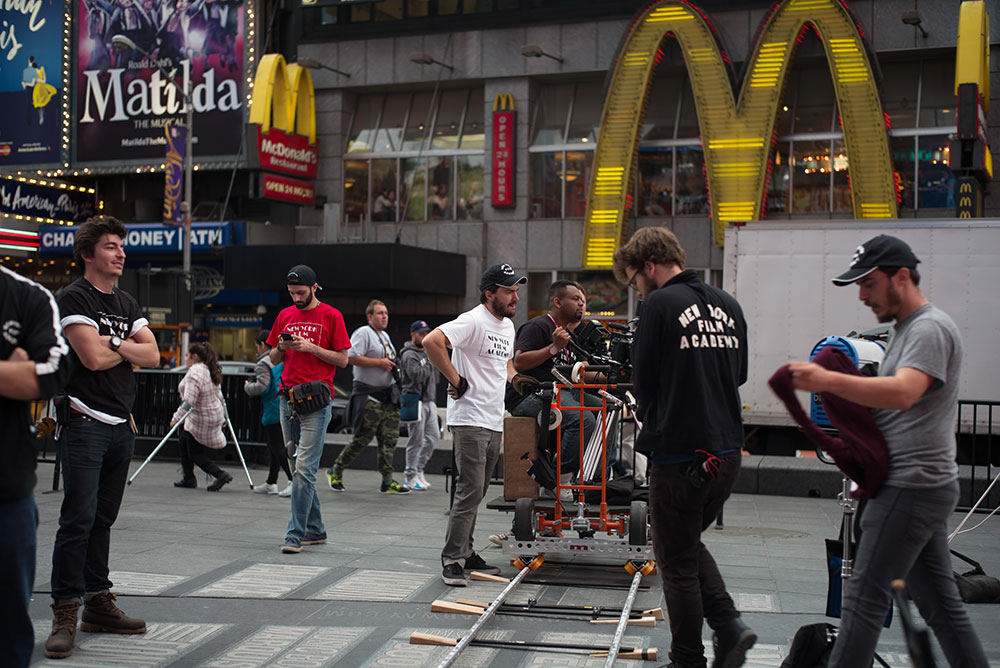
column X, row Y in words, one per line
column 736, row 129
column 504, row 119
column 282, row 128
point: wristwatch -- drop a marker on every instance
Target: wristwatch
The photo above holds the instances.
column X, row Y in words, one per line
column 115, row 342
column 553, row 351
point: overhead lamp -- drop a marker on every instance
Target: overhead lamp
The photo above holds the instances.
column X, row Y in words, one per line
column 535, row 51
column 424, row 58
column 313, row 64
column 913, row 18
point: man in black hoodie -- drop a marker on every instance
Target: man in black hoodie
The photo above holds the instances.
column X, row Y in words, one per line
column 689, row 358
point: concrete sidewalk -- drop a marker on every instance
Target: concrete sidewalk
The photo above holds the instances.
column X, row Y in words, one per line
column 205, row 571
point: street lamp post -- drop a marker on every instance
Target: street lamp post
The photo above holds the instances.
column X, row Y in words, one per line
column 123, row 43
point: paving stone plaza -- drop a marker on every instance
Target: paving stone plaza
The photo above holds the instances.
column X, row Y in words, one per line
column 205, row 572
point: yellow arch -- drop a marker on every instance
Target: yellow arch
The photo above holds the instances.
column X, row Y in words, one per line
column 283, row 95
column 736, row 138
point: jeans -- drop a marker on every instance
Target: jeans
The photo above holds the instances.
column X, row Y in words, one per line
column 905, row 535
column 692, row 585
column 309, row 431
column 18, row 525
column 533, row 404
column 276, row 452
column 380, row 421
column 423, row 436
column 95, row 458
column 193, row 452
column 477, row 450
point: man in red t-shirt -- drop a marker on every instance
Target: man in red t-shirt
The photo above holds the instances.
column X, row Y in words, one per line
column 311, row 340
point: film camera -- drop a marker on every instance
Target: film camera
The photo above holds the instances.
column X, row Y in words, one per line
column 610, row 346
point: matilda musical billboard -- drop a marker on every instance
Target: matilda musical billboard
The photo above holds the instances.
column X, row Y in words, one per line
column 31, row 90
column 124, row 96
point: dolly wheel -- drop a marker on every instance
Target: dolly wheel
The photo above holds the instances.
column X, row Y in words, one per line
column 638, row 517
column 524, row 519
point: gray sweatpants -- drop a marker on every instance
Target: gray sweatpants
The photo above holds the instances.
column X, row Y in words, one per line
column 477, row 450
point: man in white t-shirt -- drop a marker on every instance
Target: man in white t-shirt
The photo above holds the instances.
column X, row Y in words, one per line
column 482, row 341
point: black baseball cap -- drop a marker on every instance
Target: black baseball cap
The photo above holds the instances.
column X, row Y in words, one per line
column 302, row 274
column 502, row 275
column 882, row 251
column 419, row 326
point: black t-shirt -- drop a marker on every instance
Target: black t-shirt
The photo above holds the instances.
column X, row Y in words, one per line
column 31, row 322
column 111, row 391
column 535, row 335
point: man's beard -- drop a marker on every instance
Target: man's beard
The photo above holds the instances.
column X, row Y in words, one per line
column 303, row 306
column 503, row 312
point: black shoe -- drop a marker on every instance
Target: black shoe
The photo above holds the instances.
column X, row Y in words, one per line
column 223, row 478
column 454, row 576
column 731, row 644
column 189, row 483
column 476, row 563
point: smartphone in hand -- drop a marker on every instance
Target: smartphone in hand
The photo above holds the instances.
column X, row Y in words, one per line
column 285, row 336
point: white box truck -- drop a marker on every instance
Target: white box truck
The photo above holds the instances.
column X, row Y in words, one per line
column 781, row 274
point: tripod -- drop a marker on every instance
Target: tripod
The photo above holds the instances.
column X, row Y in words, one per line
column 177, row 425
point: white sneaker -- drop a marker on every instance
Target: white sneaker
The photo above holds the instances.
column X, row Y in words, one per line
column 265, row 489
column 498, row 538
column 287, row 491
column 415, row 483
column 423, row 480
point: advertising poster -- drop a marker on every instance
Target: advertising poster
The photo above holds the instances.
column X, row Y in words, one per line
column 124, row 100
column 30, row 82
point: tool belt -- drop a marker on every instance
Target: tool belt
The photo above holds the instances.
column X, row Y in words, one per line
column 309, row 397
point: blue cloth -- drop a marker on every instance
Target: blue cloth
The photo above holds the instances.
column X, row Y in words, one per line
column 309, row 431
column 18, row 525
column 269, row 411
column 95, row 458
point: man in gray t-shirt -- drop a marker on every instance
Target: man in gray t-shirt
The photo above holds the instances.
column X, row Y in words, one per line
column 374, row 407
column 904, row 526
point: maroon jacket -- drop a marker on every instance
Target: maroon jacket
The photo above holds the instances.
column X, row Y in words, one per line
column 859, row 450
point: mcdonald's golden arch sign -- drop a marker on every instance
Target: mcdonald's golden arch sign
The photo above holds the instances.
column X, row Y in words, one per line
column 282, row 123
column 736, row 131
column 503, row 150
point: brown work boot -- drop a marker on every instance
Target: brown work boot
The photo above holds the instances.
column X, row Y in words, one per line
column 101, row 614
column 60, row 642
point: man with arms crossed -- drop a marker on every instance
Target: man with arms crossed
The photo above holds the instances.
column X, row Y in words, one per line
column 34, row 364
column 905, row 525
column 310, row 338
column 108, row 335
column 482, row 341
column 689, row 359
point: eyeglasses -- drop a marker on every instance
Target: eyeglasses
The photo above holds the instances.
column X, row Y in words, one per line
column 631, row 281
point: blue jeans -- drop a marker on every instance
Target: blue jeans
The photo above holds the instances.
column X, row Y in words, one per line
column 95, row 458
column 18, row 525
column 905, row 535
column 309, row 431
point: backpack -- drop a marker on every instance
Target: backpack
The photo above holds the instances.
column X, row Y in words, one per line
column 811, row 646
column 269, row 413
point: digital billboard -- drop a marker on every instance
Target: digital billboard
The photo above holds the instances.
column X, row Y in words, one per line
column 125, row 97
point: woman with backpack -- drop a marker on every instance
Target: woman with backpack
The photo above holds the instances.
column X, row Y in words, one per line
column 264, row 384
column 201, row 393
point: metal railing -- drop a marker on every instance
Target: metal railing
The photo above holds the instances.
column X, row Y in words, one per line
column 978, row 446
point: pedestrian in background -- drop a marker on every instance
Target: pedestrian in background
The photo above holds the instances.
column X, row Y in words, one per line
column 419, row 379
column 264, row 384
column 34, row 364
column 201, row 393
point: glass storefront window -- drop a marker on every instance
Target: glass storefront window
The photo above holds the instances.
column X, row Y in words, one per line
column 656, row 182
column 661, row 110
column 606, row 297
column 777, row 193
column 814, row 101
column 937, row 94
column 449, row 117
column 417, row 125
column 413, row 189
column 587, row 108
column 577, row 175
column 361, row 13
column 841, row 181
column 390, row 133
column 551, row 113
column 356, row 189
column 688, row 123
column 384, row 190
column 470, row 187
column 899, row 93
column 439, row 198
column 903, row 151
column 935, row 181
column 546, row 193
column 811, row 177
column 389, row 10
column 691, row 194
column 362, row 136
column 417, row 8
column 473, row 132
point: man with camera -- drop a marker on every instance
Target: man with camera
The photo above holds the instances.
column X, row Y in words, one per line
column 108, row 335
column 309, row 337
column 689, row 358
column 34, row 364
column 374, row 408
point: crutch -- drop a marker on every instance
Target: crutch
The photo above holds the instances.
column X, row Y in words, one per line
column 166, row 438
column 232, row 432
